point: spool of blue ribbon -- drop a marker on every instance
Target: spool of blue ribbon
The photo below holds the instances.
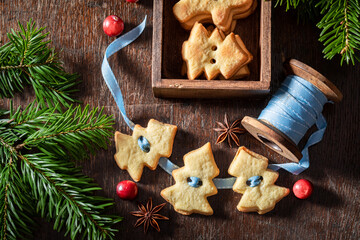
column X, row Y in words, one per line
column 292, row 111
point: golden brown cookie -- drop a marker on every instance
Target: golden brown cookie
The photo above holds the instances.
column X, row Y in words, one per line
column 131, row 157
column 220, row 12
column 194, row 183
column 206, row 18
column 242, row 73
column 255, row 182
column 213, row 54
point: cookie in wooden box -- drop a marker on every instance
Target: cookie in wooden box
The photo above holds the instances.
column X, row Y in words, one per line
column 213, row 54
column 220, row 12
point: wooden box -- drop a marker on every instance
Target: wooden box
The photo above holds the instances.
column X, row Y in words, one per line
column 168, row 37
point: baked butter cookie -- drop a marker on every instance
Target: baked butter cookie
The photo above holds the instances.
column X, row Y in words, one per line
column 214, row 53
column 194, row 183
column 144, row 147
column 220, row 12
column 255, row 182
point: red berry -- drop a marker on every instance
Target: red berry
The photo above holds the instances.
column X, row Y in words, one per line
column 132, row 1
column 302, row 189
column 113, row 26
column 127, row 190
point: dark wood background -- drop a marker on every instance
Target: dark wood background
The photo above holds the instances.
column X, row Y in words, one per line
column 332, row 212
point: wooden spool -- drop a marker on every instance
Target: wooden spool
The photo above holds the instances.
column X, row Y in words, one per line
column 271, row 136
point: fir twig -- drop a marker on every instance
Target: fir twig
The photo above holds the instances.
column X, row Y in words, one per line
column 340, row 29
column 15, row 206
column 289, row 3
column 28, row 59
column 66, row 196
column 41, row 142
column 70, row 134
column 340, row 25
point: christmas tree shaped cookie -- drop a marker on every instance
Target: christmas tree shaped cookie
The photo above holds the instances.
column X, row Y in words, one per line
column 193, row 183
column 213, row 53
column 144, row 147
column 255, row 182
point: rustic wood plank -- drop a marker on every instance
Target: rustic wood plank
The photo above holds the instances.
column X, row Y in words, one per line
column 265, row 44
column 182, row 88
column 333, row 210
column 157, row 42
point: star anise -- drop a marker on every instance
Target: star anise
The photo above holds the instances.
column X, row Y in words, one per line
column 229, row 131
column 148, row 215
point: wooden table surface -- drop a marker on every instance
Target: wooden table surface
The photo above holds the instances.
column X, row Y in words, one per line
column 333, row 210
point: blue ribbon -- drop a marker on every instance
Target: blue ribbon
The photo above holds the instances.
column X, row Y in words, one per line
column 108, row 74
column 167, row 165
column 293, row 109
column 224, row 183
column 220, row 183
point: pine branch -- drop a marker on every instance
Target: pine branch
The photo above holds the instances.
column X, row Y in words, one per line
column 290, row 4
column 340, row 25
column 69, row 135
column 340, row 29
column 27, row 59
column 64, row 194
column 42, row 141
column 16, row 207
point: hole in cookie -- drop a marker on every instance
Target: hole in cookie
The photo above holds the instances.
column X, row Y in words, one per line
column 214, row 48
column 212, row 61
column 254, row 181
column 269, row 143
column 194, row 182
column 144, row 144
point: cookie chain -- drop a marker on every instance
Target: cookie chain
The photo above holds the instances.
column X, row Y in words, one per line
column 111, row 82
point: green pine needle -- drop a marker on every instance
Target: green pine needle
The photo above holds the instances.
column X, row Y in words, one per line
column 39, row 146
column 340, row 29
column 340, row 25
column 27, row 59
column 16, row 208
column 36, row 149
column 69, row 134
column 290, row 4
column 64, row 194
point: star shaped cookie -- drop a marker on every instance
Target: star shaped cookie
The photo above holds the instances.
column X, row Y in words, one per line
column 193, row 183
column 144, row 147
column 213, row 53
column 221, row 12
column 255, row 182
